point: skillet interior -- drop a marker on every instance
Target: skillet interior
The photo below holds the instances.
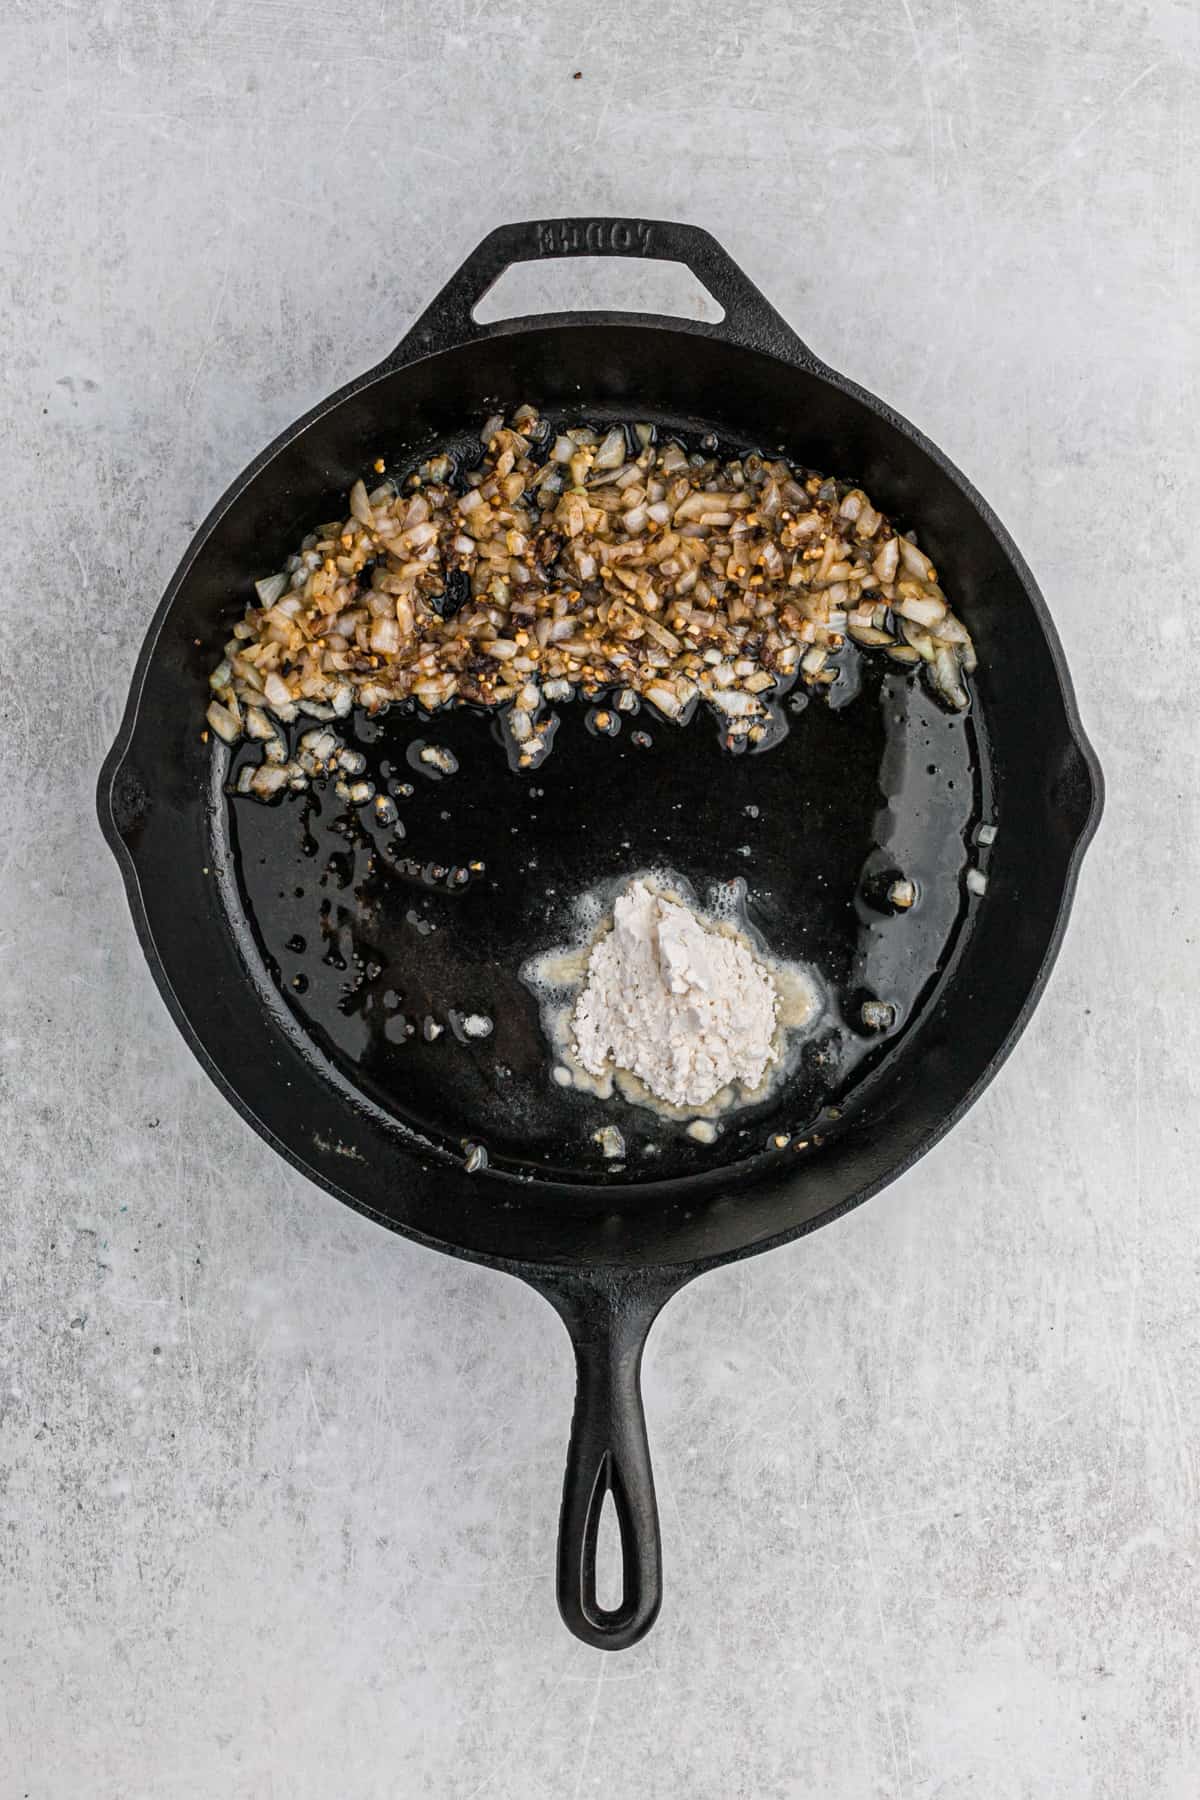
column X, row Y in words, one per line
column 172, row 819
column 384, row 944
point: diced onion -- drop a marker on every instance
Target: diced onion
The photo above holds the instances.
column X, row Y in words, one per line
column 606, row 562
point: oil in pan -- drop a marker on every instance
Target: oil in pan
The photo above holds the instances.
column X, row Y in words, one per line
column 396, row 925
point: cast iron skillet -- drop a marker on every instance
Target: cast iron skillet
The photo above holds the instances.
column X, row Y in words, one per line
column 606, row 1249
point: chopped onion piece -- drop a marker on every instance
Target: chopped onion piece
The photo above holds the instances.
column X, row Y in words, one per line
column 612, row 1144
column 223, row 722
column 923, row 611
column 267, row 779
column 258, row 725
column 272, row 588
column 611, row 453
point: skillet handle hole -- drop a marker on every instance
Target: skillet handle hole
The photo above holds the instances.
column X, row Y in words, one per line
column 584, row 283
column 609, row 1571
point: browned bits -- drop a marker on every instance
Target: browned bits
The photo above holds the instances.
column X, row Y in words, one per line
column 597, row 560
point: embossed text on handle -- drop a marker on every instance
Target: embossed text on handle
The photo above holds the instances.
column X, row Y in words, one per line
column 583, row 237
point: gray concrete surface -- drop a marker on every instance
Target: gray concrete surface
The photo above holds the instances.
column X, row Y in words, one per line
column 277, row 1491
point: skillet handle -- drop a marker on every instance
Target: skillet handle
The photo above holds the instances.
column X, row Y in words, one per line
column 609, row 1319
column 749, row 318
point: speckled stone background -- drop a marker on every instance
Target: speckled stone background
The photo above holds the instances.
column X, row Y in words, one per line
column 277, row 1490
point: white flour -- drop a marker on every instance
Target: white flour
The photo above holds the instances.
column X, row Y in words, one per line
column 685, row 1007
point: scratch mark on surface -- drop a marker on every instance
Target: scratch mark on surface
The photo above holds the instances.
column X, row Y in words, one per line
column 869, row 1547
column 1126, row 1357
column 926, row 91
column 1086, row 130
column 210, row 338
column 591, row 1726
column 186, row 1295
column 312, row 1401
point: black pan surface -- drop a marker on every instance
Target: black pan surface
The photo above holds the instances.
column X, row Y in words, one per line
column 382, row 940
column 301, row 950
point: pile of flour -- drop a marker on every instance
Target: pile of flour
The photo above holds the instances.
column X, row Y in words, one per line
column 685, row 1007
